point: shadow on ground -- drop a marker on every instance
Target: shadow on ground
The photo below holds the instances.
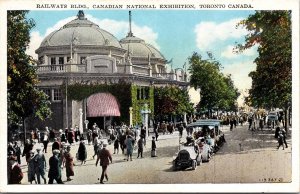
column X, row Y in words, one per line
column 241, row 140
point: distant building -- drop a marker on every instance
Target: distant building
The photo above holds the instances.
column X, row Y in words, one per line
column 82, row 55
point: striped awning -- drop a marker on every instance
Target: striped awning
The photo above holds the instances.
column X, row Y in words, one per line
column 102, row 105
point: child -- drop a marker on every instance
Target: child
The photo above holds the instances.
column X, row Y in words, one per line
column 153, row 148
column 116, row 146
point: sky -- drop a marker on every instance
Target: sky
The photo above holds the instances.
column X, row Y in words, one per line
column 175, row 33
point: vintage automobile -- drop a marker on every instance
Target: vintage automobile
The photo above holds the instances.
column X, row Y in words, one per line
column 272, row 116
column 188, row 156
column 209, row 129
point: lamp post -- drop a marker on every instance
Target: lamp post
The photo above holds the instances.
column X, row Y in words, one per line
column 130, row 116
column 145, row 112
column 80, row 121
column 86, row 122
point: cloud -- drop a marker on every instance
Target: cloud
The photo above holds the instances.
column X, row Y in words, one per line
column 118, row 28
column 36, row 38
column 229, row 54
column 194, row 95
column 121, row 28
column 35, row 41
column 208, row 34
column 239, row 72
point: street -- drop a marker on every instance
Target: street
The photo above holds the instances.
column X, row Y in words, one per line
column 246, row 157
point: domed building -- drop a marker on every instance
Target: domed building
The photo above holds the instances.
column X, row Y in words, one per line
column 92, row 77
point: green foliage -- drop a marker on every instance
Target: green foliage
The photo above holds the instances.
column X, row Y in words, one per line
column 217, row 90
column 171, row 100
column 24, row 99
column 272, row 79
column 138, row 105
column 122, row 91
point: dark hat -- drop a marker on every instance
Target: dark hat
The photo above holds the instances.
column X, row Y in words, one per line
column 153, row 137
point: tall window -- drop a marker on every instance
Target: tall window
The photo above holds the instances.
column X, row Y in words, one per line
column 61, row 62
column 47, row 92
column 146, row 93
column 53, row 62
column 138, row 94
column 142, row 93
column 57, row 95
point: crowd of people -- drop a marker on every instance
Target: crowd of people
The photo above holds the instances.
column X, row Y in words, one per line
column 126, row 138
column 121, row 137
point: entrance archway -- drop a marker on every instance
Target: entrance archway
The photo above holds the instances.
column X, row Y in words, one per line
column 100, row 107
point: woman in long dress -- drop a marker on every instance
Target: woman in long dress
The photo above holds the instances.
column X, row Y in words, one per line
column 69, row 163
column 82, row 153
column 31, row 167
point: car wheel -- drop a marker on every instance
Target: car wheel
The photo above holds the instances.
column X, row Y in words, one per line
column 174, row 167
column 194, row 165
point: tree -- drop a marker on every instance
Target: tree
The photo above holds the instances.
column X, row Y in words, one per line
column 272, row 79
column 24, row 99
column 216, row 89
column 171, row 100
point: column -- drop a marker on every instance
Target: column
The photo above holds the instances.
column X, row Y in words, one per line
column 145, row 114
column 130, row 116
column 80, row 121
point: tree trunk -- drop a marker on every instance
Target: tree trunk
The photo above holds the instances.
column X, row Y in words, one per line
column 24, row 129
column 286, row 120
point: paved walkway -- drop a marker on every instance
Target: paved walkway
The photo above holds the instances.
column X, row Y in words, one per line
column 246, row 158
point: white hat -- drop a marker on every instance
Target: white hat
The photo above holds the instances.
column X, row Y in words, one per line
column 56, row 151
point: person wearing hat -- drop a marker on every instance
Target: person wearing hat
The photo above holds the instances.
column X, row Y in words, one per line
column 104, row 156
column 153, row 147
column 71, row 136
column 54, row 168
column 62, row 135
column 97, row 146
column 129, row 146
column 40, row 166
column 46, row 140
column 14, row 171
column 56, row 145
column 31, row 168
column 140, row 146
column 28, row 146
column 18, row 152
column 11, row 148
column 82, row 152
column 116, row 145
column 69, row 163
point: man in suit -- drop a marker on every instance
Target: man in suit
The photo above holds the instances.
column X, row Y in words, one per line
column 55, row 169
column 104, row 156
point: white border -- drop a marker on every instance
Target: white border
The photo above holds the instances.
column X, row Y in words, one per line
column 268, row 187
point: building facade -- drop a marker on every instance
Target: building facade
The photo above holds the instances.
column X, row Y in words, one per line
column 80, row 61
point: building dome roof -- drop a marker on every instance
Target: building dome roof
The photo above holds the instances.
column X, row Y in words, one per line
column 82, row 32
column 139, row 48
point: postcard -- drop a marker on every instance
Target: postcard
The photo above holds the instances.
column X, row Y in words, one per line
column 150, row 96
